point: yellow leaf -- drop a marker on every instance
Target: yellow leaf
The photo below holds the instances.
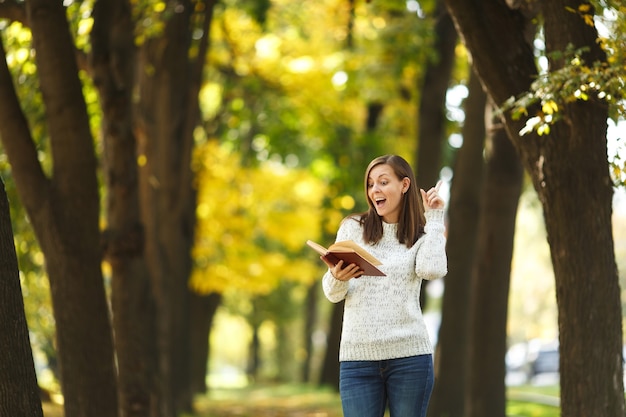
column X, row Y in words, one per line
column 550, row 107
column 159, row 7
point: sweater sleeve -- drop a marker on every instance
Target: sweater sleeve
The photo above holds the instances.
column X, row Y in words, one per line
column 334, row 289
column 431, row 261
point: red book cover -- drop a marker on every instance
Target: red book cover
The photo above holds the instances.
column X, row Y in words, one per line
column 350, row 253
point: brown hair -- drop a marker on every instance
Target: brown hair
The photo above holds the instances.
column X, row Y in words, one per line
column 411, row 220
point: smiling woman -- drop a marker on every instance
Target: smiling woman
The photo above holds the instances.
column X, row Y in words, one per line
column 385, row 190
column 385, row 346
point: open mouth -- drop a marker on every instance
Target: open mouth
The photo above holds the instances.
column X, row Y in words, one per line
column 379, row 202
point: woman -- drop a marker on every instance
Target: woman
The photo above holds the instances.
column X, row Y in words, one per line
column 385, row 354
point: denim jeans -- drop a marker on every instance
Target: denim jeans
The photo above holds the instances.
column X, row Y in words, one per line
column 405, row 384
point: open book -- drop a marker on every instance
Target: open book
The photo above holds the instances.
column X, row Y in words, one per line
column 350, row 253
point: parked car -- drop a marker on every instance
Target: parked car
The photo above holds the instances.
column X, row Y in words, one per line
column 534, row 362
column 543, row 361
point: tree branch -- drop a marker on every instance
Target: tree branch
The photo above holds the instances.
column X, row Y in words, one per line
column 18, row 143
column 71, row 141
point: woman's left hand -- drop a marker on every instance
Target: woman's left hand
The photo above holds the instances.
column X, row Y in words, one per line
column 431, row 198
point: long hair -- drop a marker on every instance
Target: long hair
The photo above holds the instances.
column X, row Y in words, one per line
column 411, row 221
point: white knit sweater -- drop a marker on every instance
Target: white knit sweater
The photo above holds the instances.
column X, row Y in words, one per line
column 382, row 315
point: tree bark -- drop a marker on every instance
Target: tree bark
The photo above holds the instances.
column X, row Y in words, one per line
column 310, row 313
column 254, row 348
column 448, row 397
column 166, row 116
column 432, row 109
column 19, row 392
column 203, row 309
column 64, row 211
column 330, row 368
column 569, row 171
column 486, row 393
column 113, row 68
column 580, row 236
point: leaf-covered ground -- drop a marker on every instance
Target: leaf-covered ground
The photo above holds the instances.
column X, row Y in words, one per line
column 274, row 401
column 256, row 401
column 306, row 401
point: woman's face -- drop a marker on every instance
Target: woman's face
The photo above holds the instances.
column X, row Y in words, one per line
column 385, row 191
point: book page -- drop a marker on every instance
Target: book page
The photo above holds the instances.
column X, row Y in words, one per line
column 350, row 245
column 317, row 247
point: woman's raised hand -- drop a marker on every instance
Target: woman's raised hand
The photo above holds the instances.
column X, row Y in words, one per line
column 431, row 198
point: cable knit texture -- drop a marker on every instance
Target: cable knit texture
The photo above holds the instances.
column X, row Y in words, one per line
column 382, row 315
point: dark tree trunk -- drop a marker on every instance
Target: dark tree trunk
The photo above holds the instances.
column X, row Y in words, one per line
column 254, row 353
column 432, row 108
column 19, row 392
column 166, row 117
column 310, row 314
column 330, row 368
column 203, row 309
column 486, row 371
column 569, row 171
column 576, row 193
column 350, row 25
column 64, row 211
column 113, row 69
column 451, row 359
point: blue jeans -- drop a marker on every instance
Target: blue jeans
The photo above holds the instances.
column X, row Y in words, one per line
column 405, row 383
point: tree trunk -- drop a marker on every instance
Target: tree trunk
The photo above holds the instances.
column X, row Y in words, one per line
column 587, row 287
column 203, row 309
column 576, row 169
column 165, row 194
column 486, row 394
column 569, row 171
column 64, row 212
column 254, row 349
column 432, row 109
column 113, row 66
column 167, row 114
column 330, row 368
column 19, row 392
column 310, row 313
column 463, row 212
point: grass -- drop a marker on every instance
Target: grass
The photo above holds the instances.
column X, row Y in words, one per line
column 533, row 401
column 296, row 400
column 526, row 409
